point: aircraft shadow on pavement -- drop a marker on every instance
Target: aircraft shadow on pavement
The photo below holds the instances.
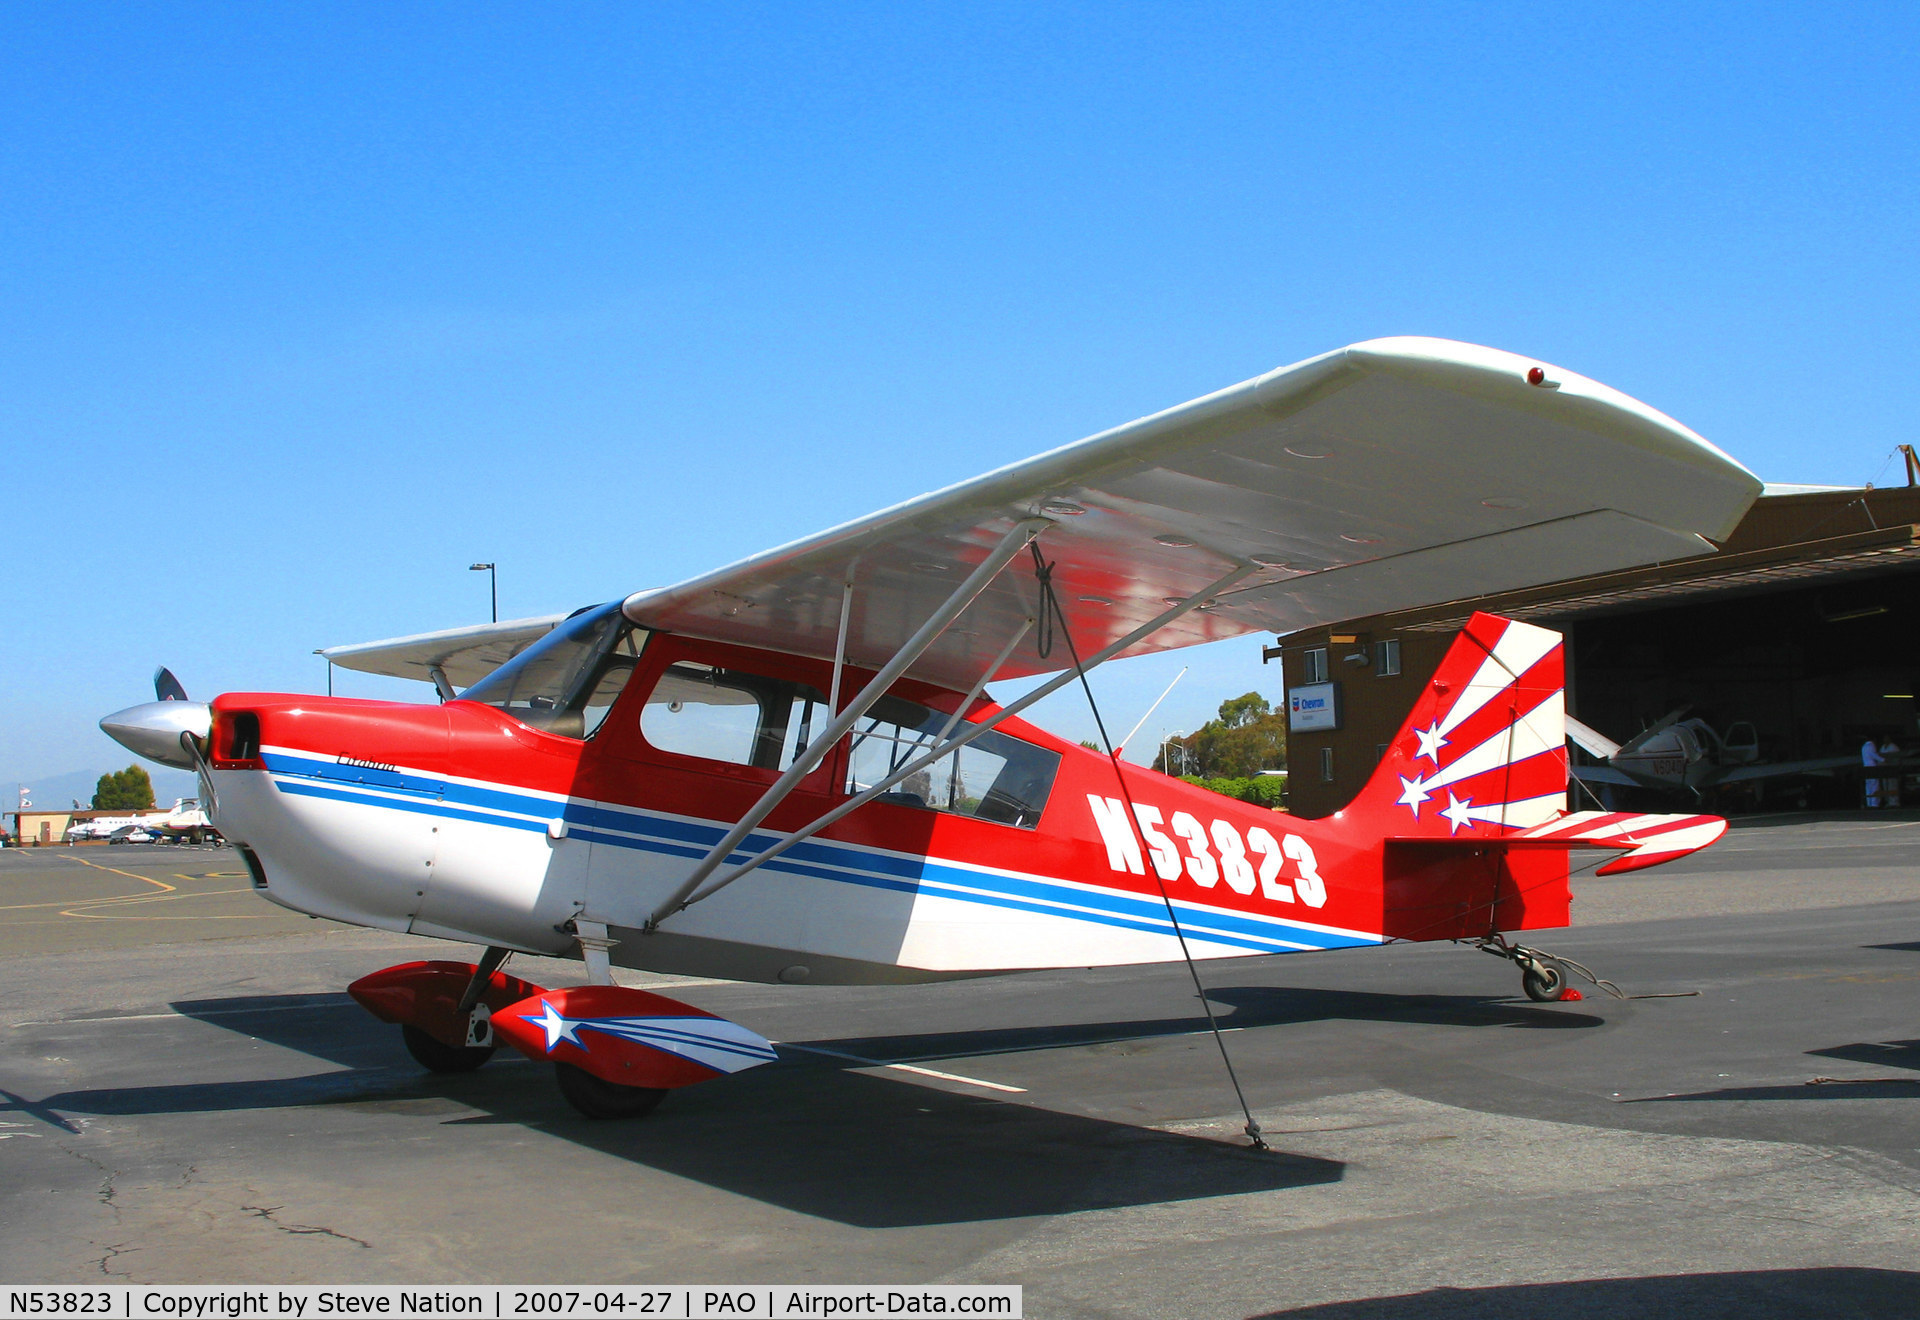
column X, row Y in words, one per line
column 1881, row 1054
column 1247, row 1006
column 1808, row 1294
column 809, row 1133
column 872, row 1152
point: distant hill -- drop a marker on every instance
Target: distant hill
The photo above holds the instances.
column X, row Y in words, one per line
column 58, row 791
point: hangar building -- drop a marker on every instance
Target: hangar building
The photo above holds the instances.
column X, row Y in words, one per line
column 1804, row 624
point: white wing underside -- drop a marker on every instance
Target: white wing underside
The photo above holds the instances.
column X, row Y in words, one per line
column 1394, row 473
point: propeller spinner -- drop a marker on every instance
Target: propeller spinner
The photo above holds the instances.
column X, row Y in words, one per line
column 154, row 729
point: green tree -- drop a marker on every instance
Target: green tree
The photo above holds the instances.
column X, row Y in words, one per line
column 1249, row 736
column 129, row 790
column 1261, row 790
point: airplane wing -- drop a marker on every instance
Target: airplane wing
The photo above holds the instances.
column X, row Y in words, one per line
column 465, row 655
column 1393, row 473
column 1776, row 769
column 1603, row 774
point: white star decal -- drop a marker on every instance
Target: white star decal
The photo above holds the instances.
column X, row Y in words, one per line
column 1430, row 743
column 558, row 1028
column 1456, row 815
column 1412, row 793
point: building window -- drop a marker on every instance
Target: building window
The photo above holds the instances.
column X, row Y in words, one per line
column 1313, row 666
column 1380, row 752
column 1386, row 658
column 1326, row 761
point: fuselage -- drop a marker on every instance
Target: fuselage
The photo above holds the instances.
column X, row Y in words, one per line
column 1688, row 754
column 465, row 821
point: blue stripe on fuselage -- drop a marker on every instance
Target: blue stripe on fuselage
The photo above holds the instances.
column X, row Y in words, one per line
column 818, row 859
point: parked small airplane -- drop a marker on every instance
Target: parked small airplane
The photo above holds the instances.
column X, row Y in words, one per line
column 1687, row 755
column 788, row 769
column 183, row 818
column 102, row 827
column 186, row 823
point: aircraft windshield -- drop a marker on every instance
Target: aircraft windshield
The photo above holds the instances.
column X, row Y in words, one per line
column 566, row 682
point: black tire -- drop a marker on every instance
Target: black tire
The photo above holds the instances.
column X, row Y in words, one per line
column 598, row 1099
column 1544, row 982
column 437, row 1057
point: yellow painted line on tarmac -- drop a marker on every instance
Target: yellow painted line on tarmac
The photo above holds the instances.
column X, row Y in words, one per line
column 88, row 909
column 79, row 909
column 143, row 879
column 110, row 898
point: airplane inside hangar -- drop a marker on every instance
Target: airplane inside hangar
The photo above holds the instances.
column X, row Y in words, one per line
column 1749, row 679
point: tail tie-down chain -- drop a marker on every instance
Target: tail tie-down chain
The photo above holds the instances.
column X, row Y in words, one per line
column 1528, row 959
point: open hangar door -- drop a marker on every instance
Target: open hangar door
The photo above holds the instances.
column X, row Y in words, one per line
column 1800, row 637
column 1780, row 676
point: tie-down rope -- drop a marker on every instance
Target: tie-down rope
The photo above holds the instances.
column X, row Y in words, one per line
column 1050, row 611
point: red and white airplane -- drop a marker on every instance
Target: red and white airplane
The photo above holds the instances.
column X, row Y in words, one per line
column 788, row 769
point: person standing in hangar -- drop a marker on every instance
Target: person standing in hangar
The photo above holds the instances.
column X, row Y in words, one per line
column 1870, row 757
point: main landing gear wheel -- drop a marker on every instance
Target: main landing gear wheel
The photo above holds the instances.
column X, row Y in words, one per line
column 599, row 1099
column 1544, row 982
column 435, row 1056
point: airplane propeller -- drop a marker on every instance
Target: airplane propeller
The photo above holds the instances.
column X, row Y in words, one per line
column 166, row 687
column 168, row 730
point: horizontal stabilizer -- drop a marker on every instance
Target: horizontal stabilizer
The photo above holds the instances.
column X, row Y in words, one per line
column 1646, row 840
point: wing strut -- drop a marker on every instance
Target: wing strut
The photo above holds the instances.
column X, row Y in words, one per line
column 840, row 643
column 686, row 897
column 977, row 581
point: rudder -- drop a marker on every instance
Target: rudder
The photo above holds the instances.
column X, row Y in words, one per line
column 1484, row 749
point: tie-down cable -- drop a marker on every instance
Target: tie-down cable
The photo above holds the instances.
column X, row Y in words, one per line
column 1050, row 611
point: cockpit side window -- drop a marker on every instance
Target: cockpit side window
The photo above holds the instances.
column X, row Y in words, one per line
column 731, row 715
column 995, row 777
column 566, row 682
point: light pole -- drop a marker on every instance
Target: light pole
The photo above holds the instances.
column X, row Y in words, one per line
column 493, row 584
column 1167, row 743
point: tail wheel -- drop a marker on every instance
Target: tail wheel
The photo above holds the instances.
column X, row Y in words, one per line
column 1544, row 981
column 599, row 1099
column 435, row 1056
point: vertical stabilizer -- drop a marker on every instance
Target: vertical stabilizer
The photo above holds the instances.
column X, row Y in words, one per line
column 1484, row 751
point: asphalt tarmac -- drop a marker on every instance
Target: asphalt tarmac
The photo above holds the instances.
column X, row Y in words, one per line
column 187, row 1095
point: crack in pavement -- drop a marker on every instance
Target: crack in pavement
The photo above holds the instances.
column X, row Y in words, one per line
column 107, row 1190
column 113, row 1250
column 267, row 1212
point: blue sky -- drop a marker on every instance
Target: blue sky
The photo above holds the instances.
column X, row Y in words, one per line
column 308, row 307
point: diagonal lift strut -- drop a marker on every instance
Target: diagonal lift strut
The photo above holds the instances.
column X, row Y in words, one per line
column 977, row 581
